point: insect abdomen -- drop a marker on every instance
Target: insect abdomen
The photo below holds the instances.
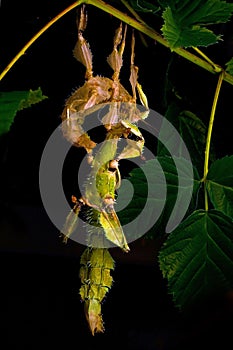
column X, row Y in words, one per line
column 96, row 280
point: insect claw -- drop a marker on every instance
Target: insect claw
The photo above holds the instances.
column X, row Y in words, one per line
column 82, row 22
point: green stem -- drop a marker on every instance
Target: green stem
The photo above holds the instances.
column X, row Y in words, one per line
column 151, row 33
column 37, row 35
column 209, row 133
column 131, row 10
column 141, row 27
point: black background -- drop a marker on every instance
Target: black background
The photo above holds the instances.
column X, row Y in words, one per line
column 40, row 304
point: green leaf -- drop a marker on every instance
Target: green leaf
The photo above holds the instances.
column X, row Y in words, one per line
column 162, row 176
column 229, row 66
column 143, row 190
column 219, row 185
column 184, row 21
column 33, row 96
column 197, row 257
column 192, row 132
column 13, row 101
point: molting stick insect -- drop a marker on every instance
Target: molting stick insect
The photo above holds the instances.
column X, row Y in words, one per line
column 119, row 123
column 103, row 226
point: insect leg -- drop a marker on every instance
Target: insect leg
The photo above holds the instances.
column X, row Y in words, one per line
column 82, row 51
column 134, row 81
column 135, row 144
column 71, row 222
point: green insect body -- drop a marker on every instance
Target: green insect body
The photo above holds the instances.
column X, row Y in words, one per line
column 102, row 182
column 99, row 196
column 107, row 180
column 106, row 183
column 96, row 280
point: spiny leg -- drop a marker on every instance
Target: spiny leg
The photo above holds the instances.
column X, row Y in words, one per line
column 71, row 222
column 82, row 51
column 133, row 69
column 115, row 59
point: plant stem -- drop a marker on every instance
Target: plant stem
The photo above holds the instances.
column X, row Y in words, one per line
column 216, row 67
column 35, row 37
column 209, row 133
column 141, row 27
column 138, row 18
column 134, row 13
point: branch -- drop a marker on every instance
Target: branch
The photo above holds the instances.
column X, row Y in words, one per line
column 151, row 33
column 141, row 27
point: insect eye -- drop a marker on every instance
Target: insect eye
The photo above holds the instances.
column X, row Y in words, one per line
column 113, row 165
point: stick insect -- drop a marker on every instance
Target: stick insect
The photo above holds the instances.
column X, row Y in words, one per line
column 118, row 121
column 104, row 178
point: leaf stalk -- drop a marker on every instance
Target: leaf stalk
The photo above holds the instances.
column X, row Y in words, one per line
column 215, row 66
